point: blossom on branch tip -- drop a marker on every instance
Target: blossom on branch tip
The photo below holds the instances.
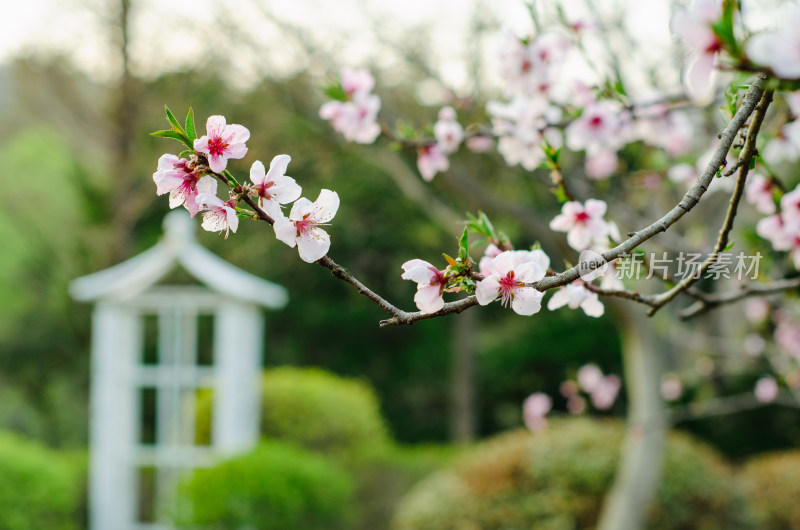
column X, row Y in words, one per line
column 431, row 160
column 218, row 215
column 303, row 226
column 222, row 142
column 273, row 187
column 357, row 81
column 576, row 295
column 174, row 176
column 448, row 132
column 510, row 272
column 583, row 223
column 522, row 126
column 355, row 119
column 602, row 126
column 430, row 284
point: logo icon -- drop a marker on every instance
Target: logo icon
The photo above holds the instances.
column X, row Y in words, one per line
column 591, row 265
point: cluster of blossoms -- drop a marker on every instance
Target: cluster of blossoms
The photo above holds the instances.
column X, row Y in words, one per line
column 549, row 107
column 783, row 229
column 449, row 134
column 602, row 391
column 191, row 182
column 506, row 276
column 535, row 86
column 355, row 112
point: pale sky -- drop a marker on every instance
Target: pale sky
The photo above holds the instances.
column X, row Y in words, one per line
column 171, row 33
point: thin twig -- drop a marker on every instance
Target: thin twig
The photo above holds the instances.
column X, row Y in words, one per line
column 709, row 302
column 727, row 405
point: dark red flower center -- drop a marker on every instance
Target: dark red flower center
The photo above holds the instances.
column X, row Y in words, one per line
column 217, row 146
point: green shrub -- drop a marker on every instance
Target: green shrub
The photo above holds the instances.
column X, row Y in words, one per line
column 39, row 488
column 276, row 487
column 314, row 409
column 771, row 484
column 557, row 479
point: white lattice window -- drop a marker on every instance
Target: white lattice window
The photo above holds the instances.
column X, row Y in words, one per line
column 154, row 347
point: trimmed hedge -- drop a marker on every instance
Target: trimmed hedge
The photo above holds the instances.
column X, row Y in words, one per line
column 39, row 488
column 771, row 484
column 315, row 409
column 275, row 487
column 557, row 479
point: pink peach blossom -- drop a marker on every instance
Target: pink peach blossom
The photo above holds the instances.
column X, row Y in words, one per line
column 222, row 142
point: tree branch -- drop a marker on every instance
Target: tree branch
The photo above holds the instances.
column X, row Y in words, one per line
column 709, row 301
column 747, row 154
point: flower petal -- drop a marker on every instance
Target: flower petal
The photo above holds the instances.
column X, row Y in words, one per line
column 559, row 299
column 257, row 172
column 215, row 125
column 326, row 206
column 487, row 290
column 285, row 231
column 527, row 301
column 313, row 244
column 300, row 209
column 592, row 306
column 429, row 299
column 277, row 168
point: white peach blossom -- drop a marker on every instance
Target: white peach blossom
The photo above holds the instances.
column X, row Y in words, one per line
column 576, row 295
column 511, row 271
column 430, row 284
column 303, row 227
column 273, row 187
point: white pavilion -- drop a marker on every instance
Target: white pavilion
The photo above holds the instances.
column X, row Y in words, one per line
column 155, row 346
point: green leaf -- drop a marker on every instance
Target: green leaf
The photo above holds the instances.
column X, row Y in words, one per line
column 335, row 92
column 175, row 136
column 723, row 28
column 487, row 223
column 463, row 246
column 729, row 246
column 176, row 125
column 185, row 153
column 191, row 132
column 752, row 162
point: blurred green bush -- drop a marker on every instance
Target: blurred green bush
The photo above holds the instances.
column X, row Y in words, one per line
column 39, row 488
column 557, row 478
column 771, row 484
column 314, row 409
column 339, row 419
column 276, row 487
